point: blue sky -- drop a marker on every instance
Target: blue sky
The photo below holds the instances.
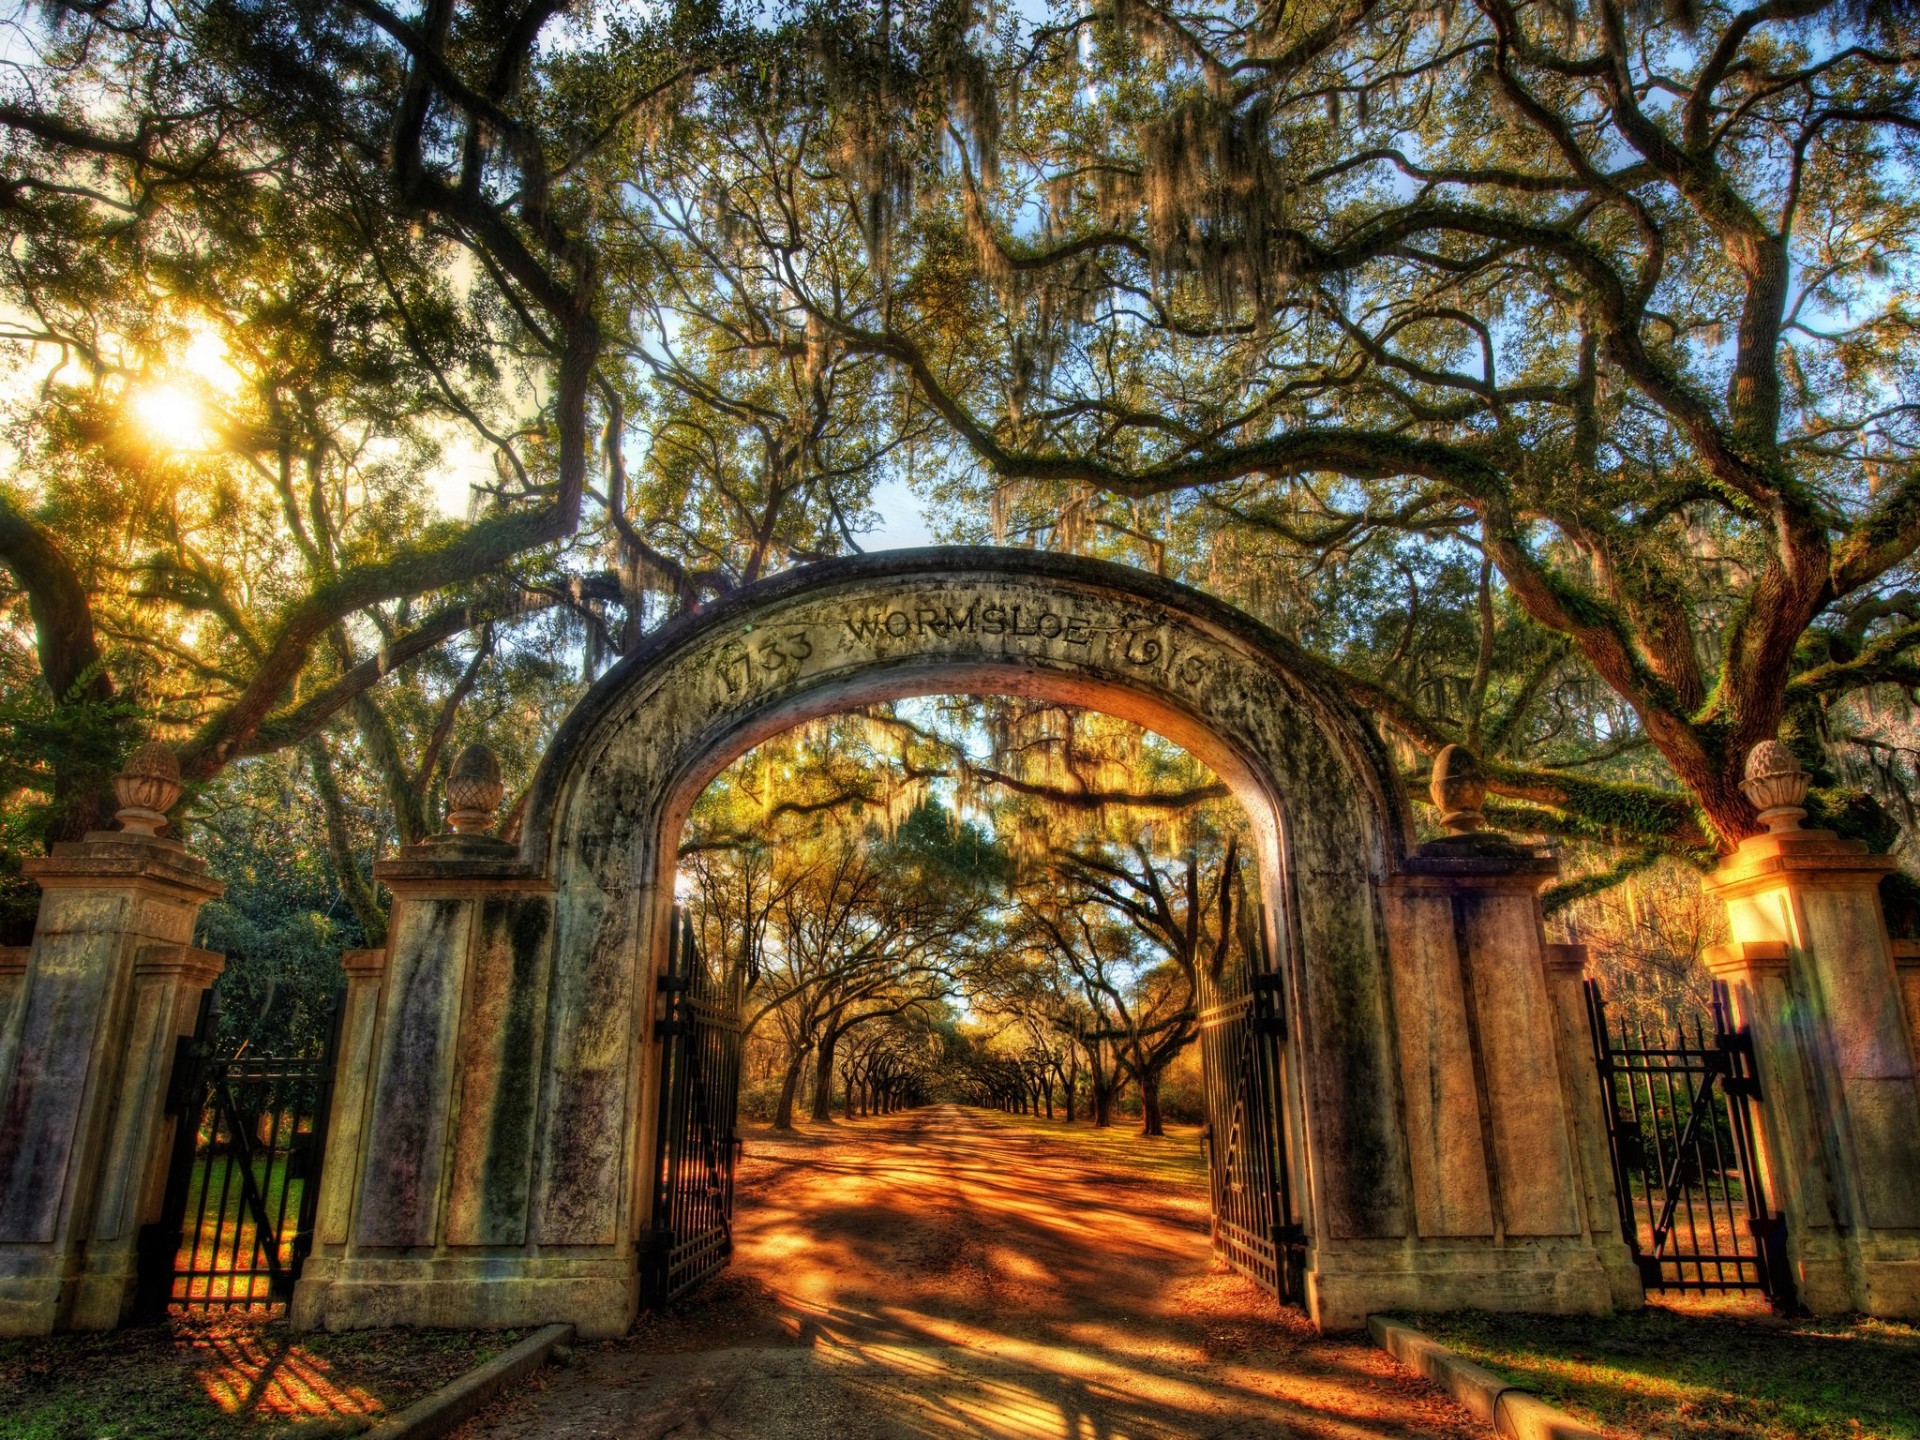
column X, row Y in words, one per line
column 903, row 523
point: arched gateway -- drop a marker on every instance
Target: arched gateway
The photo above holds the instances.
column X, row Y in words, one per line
column 492, row 1142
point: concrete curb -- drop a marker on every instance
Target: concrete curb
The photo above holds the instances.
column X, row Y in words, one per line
column 453, row 1402
column 1510, row 1410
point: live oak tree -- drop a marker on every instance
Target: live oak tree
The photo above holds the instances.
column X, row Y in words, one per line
column 1612, row 306
column 844, row 910
column 826, row 867
column 1542, row 368
column 273, row 268
column 1181, row 908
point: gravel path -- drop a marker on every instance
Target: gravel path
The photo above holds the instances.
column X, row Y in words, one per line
column 952, row 1273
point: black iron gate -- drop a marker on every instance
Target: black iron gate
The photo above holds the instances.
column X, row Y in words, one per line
column 1693, row 1207
column 700, row 1033
column 243, row 1181
column 1242, row 1043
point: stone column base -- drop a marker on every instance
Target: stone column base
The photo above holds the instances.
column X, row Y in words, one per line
column 599, row 1297
column 1348, row 1281
column 1885, row 1271
column 30, row 1289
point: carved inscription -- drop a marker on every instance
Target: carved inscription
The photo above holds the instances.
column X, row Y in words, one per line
column 1157, row 650
column 982, row 617
column 760, row 659
column 1132, row 642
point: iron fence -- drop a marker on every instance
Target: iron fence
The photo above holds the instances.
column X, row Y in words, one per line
column 1242, row 1043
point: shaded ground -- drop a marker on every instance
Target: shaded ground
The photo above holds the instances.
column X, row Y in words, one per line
column 1717, row 1369
column 951, row 1272
column 223, row 1376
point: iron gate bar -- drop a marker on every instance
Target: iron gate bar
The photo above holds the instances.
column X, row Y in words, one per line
column 254, row 1115
column 249, row 1187
column 691, row 1235
column 1242, row 1024
column 1679, row 1118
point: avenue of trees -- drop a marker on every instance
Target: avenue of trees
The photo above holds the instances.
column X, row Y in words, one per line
column 1004, row 902
column 377, row 373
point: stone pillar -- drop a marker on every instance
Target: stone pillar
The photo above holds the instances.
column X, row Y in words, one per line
column 346, row 1121
column 1812, row 973
column 1586, row 1102
column 111, row 984
column 425, row 1216
column 1512, row 1201
column 1906, row 965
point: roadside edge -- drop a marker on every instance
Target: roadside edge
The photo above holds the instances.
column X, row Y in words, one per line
column 1511, row 1410
column 436, row 1414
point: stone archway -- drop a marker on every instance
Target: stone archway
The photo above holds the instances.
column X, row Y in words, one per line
column 493, row 1107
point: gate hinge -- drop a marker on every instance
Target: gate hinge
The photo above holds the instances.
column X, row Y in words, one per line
column 1270, row 1025
column 1292, row 1234
column 668, row 1029
column 1265, row 980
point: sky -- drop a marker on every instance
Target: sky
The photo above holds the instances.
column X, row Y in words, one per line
column 903, row 521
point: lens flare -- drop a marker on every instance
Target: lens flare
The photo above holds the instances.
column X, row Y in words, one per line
column 172, row 418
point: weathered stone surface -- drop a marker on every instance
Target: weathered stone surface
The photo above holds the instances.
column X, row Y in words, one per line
column 168, row 983
column 1452, row 1192
column 13, row 985
column 1793, row 1160
column 406, row 1141
column 73, row 987
column 1566, row 967
column 501, row 1052
column 346, row 1125
column 1494, row 1130
column 1906, row 963
column 1514, row 1025
column 1871, row 1055
column 1813, row 973
column 109, row 984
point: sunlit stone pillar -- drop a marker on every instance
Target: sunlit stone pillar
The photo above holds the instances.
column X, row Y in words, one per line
column 1812, row 974
column 366, row 972
column 111, row 984
column 1510, row 1210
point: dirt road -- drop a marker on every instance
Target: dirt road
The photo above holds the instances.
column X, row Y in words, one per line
column 952, row 1273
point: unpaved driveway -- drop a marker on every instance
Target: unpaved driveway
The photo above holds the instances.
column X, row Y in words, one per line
column 947, row 1272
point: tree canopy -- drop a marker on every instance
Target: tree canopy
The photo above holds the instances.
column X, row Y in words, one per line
column 381, row 372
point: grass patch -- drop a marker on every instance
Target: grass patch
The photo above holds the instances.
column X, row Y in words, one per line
column 1706, row 1372
column 224, row 1376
